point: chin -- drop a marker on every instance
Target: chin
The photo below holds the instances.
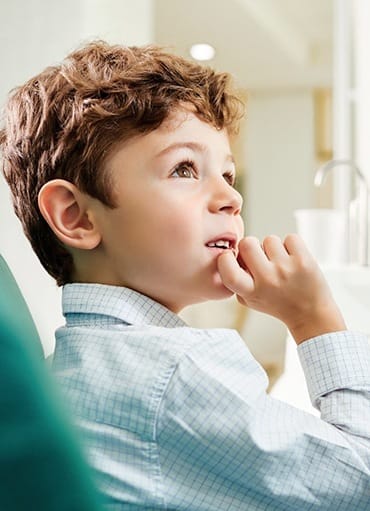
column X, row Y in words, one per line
column 219, row 291
column 211, row 293
column 222, row 294
column 202, row 290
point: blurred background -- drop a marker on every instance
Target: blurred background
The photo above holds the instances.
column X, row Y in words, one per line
column 301, row 67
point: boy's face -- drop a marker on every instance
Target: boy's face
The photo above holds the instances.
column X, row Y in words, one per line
column 175, row 201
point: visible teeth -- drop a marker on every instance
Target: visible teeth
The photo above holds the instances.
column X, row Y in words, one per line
column 220, row 244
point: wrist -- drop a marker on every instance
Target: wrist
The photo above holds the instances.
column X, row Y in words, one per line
column 326, row 319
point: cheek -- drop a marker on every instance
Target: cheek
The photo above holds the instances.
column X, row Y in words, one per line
column 176, row 222
column 163, row 223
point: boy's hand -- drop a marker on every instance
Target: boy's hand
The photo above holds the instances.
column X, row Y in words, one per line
column 282, row 279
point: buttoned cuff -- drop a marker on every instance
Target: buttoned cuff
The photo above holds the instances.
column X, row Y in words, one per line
column 339, row 360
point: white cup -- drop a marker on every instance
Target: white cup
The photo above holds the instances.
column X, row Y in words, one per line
column 325, row 234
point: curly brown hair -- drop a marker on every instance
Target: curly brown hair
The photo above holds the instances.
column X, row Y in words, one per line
column 64, row 122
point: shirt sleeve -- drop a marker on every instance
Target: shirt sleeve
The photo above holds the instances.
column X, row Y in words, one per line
column 225, row 444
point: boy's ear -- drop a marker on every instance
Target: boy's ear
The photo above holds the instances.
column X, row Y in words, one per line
column 67, row 212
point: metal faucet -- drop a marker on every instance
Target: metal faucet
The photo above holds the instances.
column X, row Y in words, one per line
column 362, row 234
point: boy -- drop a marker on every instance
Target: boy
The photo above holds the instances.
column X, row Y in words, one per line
column 121, row 172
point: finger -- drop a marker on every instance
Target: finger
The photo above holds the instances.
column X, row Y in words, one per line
column 295, row 245
column 253, row 256
column 233, row 276
column 274, row 248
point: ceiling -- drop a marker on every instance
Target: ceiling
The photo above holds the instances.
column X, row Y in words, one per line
column 264, row 43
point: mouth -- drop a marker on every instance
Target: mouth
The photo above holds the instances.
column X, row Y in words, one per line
column 223, row 242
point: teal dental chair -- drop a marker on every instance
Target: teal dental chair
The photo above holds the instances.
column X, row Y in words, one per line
column 42, row 467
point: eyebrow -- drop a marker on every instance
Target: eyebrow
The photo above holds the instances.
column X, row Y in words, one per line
column 193, row 146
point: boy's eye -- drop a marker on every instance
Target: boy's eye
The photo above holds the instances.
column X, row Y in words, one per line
column 185, row 169
column 229, row 178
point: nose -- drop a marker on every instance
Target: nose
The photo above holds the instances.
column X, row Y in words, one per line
column 225, row 198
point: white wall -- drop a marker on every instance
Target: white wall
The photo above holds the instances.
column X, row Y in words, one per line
column 361, row 35
column 280, row 160
column 34, row 34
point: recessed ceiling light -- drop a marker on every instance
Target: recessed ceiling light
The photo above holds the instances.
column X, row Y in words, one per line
column 202, row 51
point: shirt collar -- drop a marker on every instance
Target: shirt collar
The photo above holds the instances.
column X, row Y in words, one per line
column 120, row 303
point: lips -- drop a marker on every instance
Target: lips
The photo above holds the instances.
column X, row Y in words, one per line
column 225, row 241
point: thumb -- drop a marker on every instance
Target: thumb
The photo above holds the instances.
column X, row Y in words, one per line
column 233, row 276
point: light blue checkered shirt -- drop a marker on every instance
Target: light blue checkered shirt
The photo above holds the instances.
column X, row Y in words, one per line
column 177, row 418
